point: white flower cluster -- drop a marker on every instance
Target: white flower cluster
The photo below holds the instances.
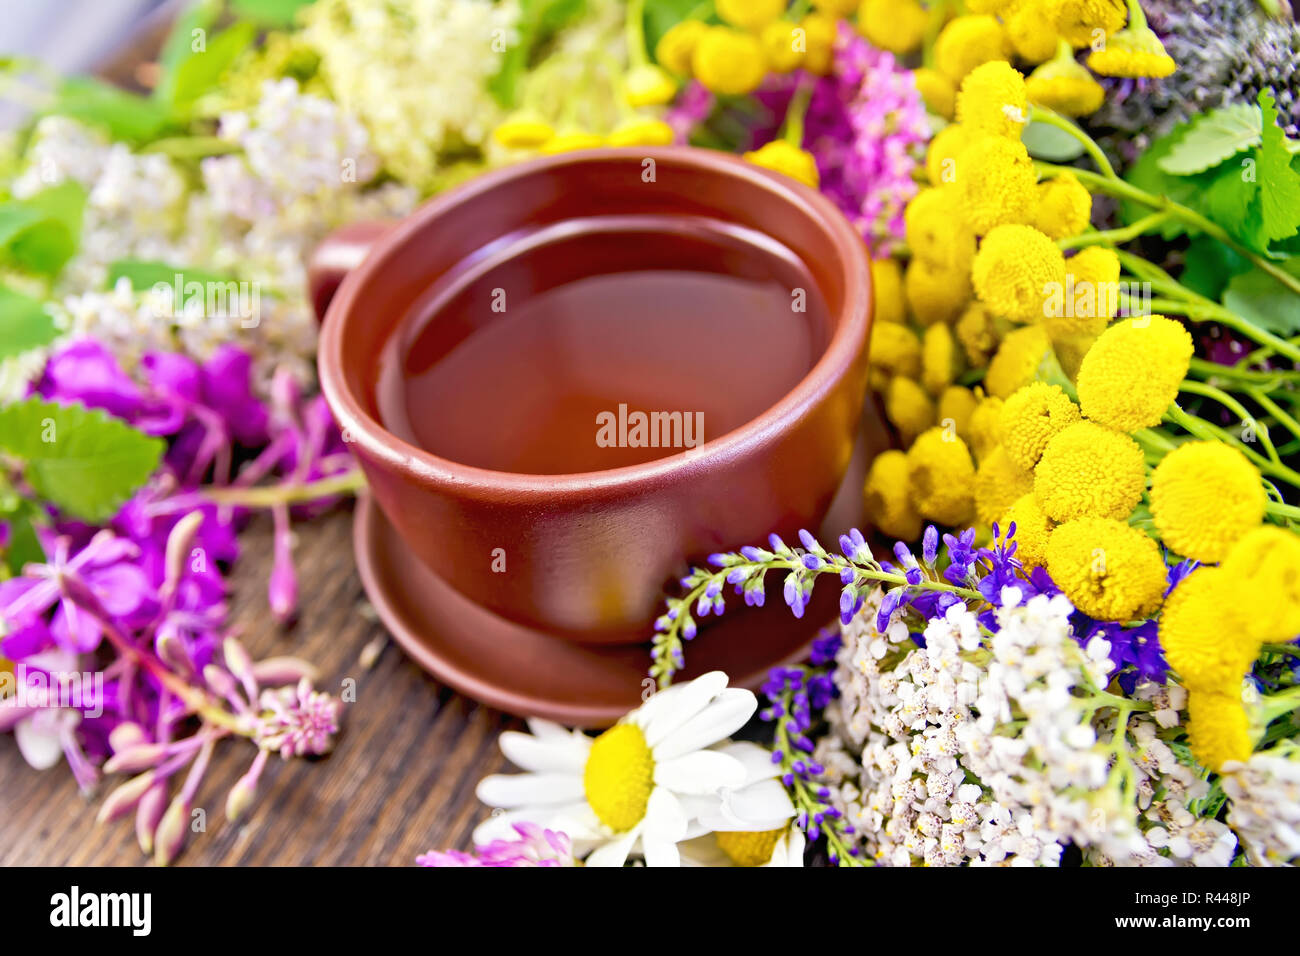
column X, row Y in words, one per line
column 1265, row 806
column 999, row 749
column 415, row 73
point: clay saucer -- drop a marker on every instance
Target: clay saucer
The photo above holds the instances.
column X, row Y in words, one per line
column 532, row 674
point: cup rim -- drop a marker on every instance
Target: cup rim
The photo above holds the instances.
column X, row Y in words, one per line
column 846, row 343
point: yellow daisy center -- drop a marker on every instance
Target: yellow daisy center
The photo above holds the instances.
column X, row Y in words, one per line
column 619, row 777
column 749, row 849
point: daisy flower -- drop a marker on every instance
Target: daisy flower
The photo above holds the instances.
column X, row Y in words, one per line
column 626, row 790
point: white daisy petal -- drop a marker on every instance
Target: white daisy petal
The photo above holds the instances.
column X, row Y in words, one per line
column 529, row 789
column 660, row 852
column 575, row 819
column 664, row 817
column 690, row 700
column 655, row 705
column 789, row 849
column 614, row 853
column 757, row 760
column 702, row 772
column 725, row 715
column 543, row 753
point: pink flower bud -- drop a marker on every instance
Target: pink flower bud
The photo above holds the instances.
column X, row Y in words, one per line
column 124, row 798
column 169, row 838
column 137, row 758
column 126, row 735
column 279, row 671
column 148, row 813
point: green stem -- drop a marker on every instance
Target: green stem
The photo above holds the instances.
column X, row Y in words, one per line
column 792, row 131
column 1274, row 409
column 1193, row 387
column 346, row 483
column 1115, row 236
column 1041, row 114
column 1207, row 432
column 1264, row 380
column 636, row 51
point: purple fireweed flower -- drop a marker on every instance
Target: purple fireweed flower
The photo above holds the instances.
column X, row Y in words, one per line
column 534, row 847
column 693, row 106
column 298, row 721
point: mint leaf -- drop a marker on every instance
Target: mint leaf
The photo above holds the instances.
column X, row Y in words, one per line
column 1208, row 266
column 145, row 274
column 1279, row 184
column 201, row 70
column 24, row 323
column 1213, row 138
column 124, row 116
column 1146, row 174
column 81, row 460
column 40, row 234
column 198, row 16
column 1265, row 302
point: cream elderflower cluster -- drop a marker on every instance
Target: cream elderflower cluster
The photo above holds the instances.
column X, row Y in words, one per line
column 1017, row 713
column 1264, row 796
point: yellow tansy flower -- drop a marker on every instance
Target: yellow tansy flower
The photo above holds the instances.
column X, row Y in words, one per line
column 648, row 85
column 895, row 349
column 1217, row 727
column 1031, row 32
column 1031, row 417
column 888, row 497
column 966, row 42
column 1070, row 350
column 819, row 33
column 992, row 6
column 1108, row 569
column 785, row 157
column 978, row 334
column 782, row 47
column 1081, row 22
column 1033, row 530
column 1204, row 496
column 642, row 131
column 956, row 406
column 992, row 99
column 570, row 140
column 1014, row 270
column 729, row 62
column 939, row 92
column 1064, row 207
column 1017, row 361
column 942, row 475
column 676, row 47
column 835, row 8
column 1266, row 564
column 986, row 427
column 997, row 180
column 887, row 286
column 999, row 482
column 1063, row 85
column 1203, row 630
column 934, row 293
column 523, row 130
column 940, row 358
column 944, row 152
column 1090, row 296
column 749, row 14
column 908, row 407
column 1131, row 374
column 1132, row 53
column 1088, row 470
column 935, row 231
column 894, row 25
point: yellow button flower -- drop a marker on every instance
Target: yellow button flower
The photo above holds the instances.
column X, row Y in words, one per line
column 786, row 158
column 888, row 497
column 1203, row 630
column 956, row 406
column 1031, row 33
column 570, row 140
column 942, row 476
column 895, row 349
column 908, row 408
column 1033, row 530
column 748, row 848
column 1132, row 53
column 1063, row 85
column 1266, row 564
column 837, row 8
column 894, row 25
column 966, row 42
column 992, row 99
column 940, row 358
column 642, row 131
column 1131, row 374
column 648, row 85
column 1031, row 417
column 1017, row 361
column 749, row 14
column 1014, row 270
column 1204, row 496
column 934, row 293
column 819, row 32
column 1090, row 297
column 729, row 62
column 944, row 152
column 1064, row 207
column 1217, row 727
column 997, row 180
column 999, row 482
column 992, row 6
column 887, row 287
column 935, row 231
column 523, row 130
column 977, row 332
column 939, row 92
column 676, row 47
column 1108, row 569
column 986, row 427
column 1082, row 22
column 782, row 46
column 1090, row 471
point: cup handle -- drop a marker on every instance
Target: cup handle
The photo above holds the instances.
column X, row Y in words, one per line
column 338, row 254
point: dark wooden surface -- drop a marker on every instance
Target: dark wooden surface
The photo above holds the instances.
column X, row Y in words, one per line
column 400, row 780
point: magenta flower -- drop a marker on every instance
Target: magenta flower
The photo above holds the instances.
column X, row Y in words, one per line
column 535, row 847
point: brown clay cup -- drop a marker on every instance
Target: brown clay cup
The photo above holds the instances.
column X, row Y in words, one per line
column 589, row 556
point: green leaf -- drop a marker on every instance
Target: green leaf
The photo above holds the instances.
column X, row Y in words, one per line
column 1209, row 265
column 145, row 274
column 663, row 15
column 1213, row 138
column 1051, row 143
column 40, row 234
column 539, row 20
column 273, row 13
column 24, row 546
column 24, row 323
column 125, row 116
column 198, row 16
column 201, row 70
column 81, row 460
column 1146, row 174
column 1265, row 302
column 1279, row 184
